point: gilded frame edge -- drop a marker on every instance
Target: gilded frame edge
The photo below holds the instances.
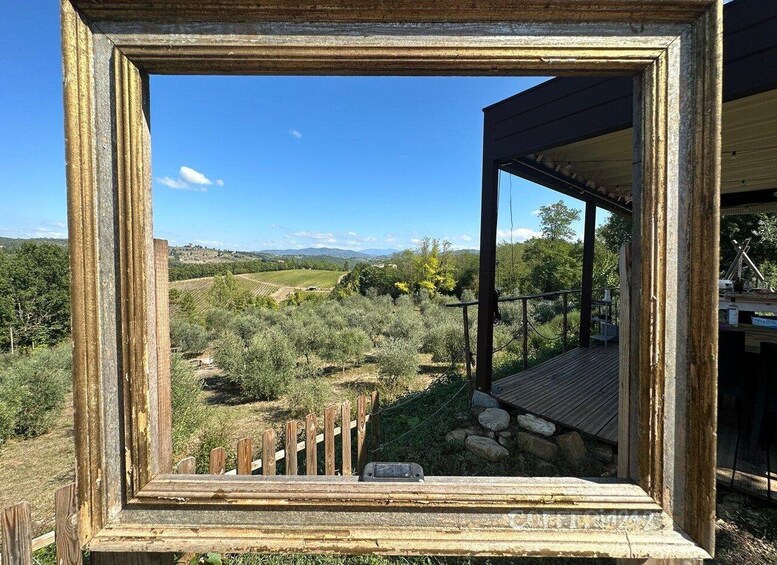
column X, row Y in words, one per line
column 81, row 149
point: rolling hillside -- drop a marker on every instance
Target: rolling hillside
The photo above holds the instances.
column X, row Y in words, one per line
column 277, row 284
column 297, row 278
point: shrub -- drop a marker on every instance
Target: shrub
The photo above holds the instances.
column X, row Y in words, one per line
column 398, row 362
column 215, row 431
column 308, row 396
column 229, row 355
column 405, row 324
column 190, row 338
column 217, row 320
column 32, row 391
column 348, row 344
column 445, row 342
column 305, row 332
column 269, row 366
column 188, row 411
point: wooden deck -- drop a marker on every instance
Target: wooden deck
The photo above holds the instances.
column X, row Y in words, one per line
column 577, row 389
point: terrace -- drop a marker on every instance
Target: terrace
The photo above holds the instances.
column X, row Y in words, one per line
column 574, row 135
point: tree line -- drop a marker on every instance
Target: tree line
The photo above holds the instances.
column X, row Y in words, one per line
column 183, row 271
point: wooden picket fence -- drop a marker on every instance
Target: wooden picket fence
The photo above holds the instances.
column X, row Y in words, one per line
column 18, row 544
column 270, row 457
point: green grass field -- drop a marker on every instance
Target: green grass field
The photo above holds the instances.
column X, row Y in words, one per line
column 278, row 284
column 299, row 278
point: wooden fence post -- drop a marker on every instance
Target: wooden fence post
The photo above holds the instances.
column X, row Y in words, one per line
column 66, row 537
column 361, row 433
column 218, row 461
column 345, row 436
column 311, row 449
column 375, row 421
column 268, row 453
column 291, row 448
column 164, row 383
column 17, row 535
column 329, row 440
column 245, row 451
column 186, row 466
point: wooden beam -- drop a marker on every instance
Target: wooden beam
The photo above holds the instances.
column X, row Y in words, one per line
column 587, row 286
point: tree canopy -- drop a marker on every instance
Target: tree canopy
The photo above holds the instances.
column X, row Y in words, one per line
column 34, row 295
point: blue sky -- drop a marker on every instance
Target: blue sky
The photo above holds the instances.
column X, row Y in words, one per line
column 268, row 162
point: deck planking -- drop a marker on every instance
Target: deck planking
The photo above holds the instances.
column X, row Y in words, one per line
column 577, row 389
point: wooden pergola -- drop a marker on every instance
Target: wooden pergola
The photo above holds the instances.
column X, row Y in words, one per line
column 574, row 135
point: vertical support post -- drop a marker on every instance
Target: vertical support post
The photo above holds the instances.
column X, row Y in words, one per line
column 245, row 452
column 268, row 453
column 66, row 537
column 329, row 440
column 345, row 436
column 217, row 465
column 375, row 421
column 17, row 535
column 565, row 330
column 626, row 397
column 587, row 287
column 311, row 449
column 487, row 279
column 164, row 391
column 468, row 355
column 291, row 447
column 525, row 310
column 10, row 329
column 361, row 433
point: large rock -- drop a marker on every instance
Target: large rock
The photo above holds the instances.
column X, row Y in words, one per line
column 485, row 400
column 537, row 446
column 573, row 447
column 546, row 469
column 494, row 419
column 486, row 448
column 536, row 425
column 602, row 452
column 458, row 435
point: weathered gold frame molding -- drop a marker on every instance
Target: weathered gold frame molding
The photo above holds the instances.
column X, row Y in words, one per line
column 665, row 505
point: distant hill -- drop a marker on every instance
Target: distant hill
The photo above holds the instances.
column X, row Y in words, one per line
column 198, row 254
column 11, row 244
column 331, row 252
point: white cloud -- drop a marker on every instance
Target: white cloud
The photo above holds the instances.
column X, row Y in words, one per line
column 352, row 233
column 188, row 179
column 208, row 242
column 320, row 237
column 295, row 133
column 465, row 237
column 519, row 234
column 172, row 183
column 189, row 175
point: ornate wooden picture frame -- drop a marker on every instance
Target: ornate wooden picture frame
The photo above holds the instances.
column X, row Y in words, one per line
column 662, row 507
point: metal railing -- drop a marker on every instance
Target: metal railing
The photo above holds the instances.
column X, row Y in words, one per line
column 526, row 322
